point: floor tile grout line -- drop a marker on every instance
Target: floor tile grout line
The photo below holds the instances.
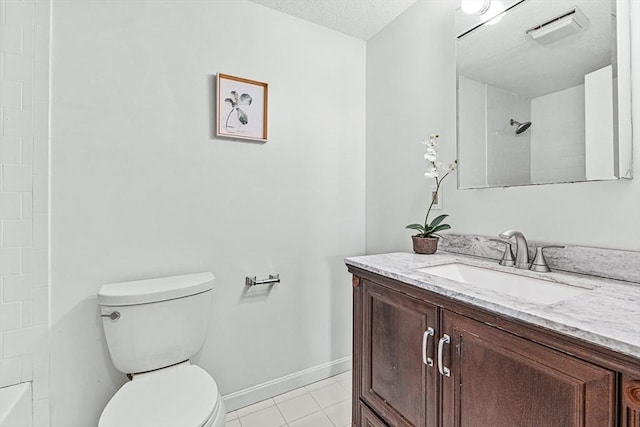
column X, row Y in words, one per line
column 304, row 391
column 286, row 423
column 332, row 405
column 305, row 415
column 327, row 415
column 317, row 403
column 257, row 410
column 323, row 409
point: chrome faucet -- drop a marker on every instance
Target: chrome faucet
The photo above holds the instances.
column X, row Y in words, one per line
column 522, row 249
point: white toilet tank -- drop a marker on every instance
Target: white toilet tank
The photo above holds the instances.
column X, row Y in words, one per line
column 159, row 322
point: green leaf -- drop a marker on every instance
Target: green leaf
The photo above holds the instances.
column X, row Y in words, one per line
column 437, row 220
column 418, row 227
column 440, row 228
column 242, row 116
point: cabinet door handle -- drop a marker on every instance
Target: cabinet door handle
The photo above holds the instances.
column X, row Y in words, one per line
column 446, row 339
column 425, row 341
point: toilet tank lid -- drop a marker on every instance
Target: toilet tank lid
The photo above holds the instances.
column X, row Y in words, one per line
column 154, row 290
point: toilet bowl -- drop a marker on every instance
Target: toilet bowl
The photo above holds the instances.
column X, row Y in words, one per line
column 184, row 395
column 153, row 327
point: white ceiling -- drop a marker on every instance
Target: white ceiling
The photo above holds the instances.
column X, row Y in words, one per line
column 358, row 18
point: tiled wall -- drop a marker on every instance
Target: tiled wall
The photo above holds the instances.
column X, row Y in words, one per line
column 492, row 152
column 24, row 177
column 508, row 154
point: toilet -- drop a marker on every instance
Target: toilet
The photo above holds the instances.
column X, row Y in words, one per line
column 153, row 327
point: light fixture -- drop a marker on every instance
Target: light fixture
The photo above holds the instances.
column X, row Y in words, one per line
column 475, row 7
column 494, row 14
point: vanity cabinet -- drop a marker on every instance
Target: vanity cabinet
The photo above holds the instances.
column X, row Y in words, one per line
column 424, row 360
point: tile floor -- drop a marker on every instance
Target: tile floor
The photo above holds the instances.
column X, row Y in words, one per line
column 326, row 403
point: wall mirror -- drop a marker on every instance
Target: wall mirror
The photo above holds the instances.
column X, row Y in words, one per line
column 543, row 93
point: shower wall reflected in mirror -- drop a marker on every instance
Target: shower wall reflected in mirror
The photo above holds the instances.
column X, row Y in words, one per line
column 538, row 95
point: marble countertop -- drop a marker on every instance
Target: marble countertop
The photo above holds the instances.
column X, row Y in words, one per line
column 607, row 313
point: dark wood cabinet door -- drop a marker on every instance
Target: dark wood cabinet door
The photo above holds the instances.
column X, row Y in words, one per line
column 500, row 380
column 630, row 401
column 369, row 419
column 395, row 381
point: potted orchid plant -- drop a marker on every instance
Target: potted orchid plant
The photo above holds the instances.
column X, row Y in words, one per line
column 426, row 241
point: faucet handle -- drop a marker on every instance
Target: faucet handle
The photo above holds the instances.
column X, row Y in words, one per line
column 508, row 260
column 539, row 263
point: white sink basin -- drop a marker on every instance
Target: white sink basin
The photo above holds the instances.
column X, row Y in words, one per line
column 526, row 288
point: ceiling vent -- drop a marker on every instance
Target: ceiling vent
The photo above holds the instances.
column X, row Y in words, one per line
column 561, row 26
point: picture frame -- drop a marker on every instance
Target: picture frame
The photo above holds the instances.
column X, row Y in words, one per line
column 241, row 108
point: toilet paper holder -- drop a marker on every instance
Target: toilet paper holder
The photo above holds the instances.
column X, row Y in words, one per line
column 252, row 281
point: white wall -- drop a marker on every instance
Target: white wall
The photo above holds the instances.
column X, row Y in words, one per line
column 140, row 188
column 411, row 86
column 558, row 136
column 24, row 55
column 602, row 214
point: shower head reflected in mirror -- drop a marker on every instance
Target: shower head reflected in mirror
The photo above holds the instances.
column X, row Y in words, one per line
column 521, row 126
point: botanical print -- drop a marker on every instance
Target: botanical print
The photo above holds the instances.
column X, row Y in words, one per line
column 235, row 101
column 242, row 108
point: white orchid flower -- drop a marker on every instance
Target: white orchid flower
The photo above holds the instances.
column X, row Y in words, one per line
column 432, row 173
column 430, row 157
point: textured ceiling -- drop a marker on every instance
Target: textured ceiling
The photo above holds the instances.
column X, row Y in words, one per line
column 358, row 18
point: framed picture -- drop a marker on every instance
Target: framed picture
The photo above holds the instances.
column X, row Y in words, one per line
column 241, row 108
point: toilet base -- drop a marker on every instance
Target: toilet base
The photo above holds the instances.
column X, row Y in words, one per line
column 219, row 416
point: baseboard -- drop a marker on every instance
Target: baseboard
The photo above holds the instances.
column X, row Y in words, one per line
column 257, row 393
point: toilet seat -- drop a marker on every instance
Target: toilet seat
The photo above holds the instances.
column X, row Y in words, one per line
column 183, row 395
